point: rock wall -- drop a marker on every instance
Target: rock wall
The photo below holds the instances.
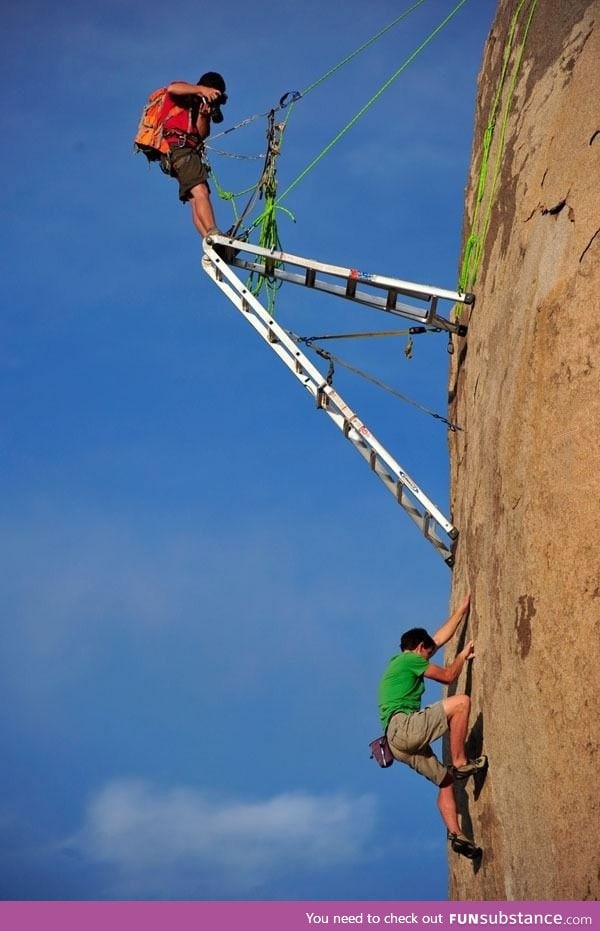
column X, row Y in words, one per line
column 524, row 386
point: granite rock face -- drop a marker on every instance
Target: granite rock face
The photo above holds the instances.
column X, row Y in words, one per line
column 525, row 388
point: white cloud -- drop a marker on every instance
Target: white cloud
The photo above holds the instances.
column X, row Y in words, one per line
column 183, row 842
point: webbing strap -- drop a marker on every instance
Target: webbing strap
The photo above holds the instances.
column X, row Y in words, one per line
column 333, row 359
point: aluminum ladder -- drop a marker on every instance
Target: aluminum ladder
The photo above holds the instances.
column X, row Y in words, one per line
column 375, row 291
column 432, row 523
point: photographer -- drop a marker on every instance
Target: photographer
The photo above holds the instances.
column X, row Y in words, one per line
column 185, row 128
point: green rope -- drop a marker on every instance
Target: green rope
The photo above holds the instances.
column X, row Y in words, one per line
column 267, row 220
column 267, row 186
column 268, row 239
column 480, row 226
column 324, row 77
column 227, row 195
column 362, row 48
column 372, row 100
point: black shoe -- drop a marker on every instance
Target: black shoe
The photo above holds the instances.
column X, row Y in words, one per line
column 464, row 846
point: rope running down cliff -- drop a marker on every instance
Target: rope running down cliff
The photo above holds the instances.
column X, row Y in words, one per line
column 480, row 227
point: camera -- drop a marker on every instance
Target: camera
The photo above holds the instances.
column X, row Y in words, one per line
column 215, row 107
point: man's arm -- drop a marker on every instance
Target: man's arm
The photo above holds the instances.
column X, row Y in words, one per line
column 182, row 88
column 450, row 673
column 448, row 629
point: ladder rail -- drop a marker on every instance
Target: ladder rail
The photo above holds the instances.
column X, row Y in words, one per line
column 350, row 278
column 405, row 490
column 359, row 297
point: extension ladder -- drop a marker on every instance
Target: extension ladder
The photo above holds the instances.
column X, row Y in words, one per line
column 437, row 529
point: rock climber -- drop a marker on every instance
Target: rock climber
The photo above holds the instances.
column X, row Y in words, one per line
column 410, row 729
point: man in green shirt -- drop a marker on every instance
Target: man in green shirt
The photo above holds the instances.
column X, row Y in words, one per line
column 410, row 729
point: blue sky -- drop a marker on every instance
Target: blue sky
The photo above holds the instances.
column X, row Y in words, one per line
column 201, row 580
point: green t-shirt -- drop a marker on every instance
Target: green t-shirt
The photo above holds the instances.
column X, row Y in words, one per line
column 401, row 685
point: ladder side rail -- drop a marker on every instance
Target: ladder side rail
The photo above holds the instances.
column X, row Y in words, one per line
column 427, row 315
column 336, row 408
column 391, row 463
column 407, row 289
column 282, row 344
column 422, row 521
column 417, row 314
column 411, row 288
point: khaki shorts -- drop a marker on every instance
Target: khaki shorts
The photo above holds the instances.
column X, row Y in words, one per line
column 189, row 169
column 409, row 736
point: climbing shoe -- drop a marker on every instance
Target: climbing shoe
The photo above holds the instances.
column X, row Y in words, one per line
column 465, row 847
column 470, row 768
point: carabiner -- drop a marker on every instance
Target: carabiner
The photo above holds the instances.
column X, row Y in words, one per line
column 293, row 95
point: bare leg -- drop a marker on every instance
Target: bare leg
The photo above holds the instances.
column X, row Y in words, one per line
column 447, row 805
column 202, row 211
column 457, row 710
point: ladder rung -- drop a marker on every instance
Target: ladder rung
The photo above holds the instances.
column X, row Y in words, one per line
column 426, row 523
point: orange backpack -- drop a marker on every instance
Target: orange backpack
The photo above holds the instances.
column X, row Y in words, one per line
column 149, row 136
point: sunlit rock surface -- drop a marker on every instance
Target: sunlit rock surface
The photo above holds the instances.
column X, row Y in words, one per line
column 524, row 386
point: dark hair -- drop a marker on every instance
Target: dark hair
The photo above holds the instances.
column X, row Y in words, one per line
column 213, row 79
column 411, row 639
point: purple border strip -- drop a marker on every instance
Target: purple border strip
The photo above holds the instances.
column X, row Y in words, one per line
column 291, row 916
